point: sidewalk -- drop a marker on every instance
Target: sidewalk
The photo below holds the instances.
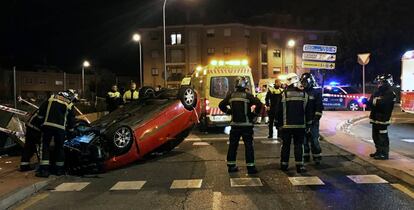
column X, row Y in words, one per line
column 15, row 185
column 333, row 129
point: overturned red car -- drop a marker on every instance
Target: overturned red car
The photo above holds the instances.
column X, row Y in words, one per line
column 159, row 121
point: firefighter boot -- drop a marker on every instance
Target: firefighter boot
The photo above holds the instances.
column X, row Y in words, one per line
column 232, row 169
column 300, row 169
column 252, row 170
column 43, row 171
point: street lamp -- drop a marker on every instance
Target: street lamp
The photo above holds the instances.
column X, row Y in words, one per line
column 85, row 64
column 137, row 38
column 165, row 45
column 292, row 44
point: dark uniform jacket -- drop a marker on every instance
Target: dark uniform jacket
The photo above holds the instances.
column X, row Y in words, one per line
column 315, row 103
column 57, row 112
column 240, row 103
column 382, row 104
column 273, row 97
column 113, row 100
column 293, row 111
column 34, row 121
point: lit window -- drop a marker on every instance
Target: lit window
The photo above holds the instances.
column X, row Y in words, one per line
column 227, row 50
column 211, row 32
column 154, row 72
column 57, row 82
column 211, row 51
column 42, row 81
column 227, row 32
column 276, row 70
column 277, row 53
column 247, row 33
column 176, row 38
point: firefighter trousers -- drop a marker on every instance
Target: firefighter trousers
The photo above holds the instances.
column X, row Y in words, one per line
column 30, row 146
column 272, row 117
column 247, row 134
column 380, row 137
column 58, row 155
column 311, row 143
column 298, row 135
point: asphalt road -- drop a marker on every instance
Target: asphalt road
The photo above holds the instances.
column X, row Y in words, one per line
column 157, row 182
column 401, row 132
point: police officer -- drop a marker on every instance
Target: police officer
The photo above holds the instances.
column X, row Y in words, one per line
column 262, row 97
column 32, row 139
column 315, row 106
column 381, row 104
column 292, row 119
column 238, row 104
column 132, row 94
column 58, row 115
column 273, row 97
column 113, row 98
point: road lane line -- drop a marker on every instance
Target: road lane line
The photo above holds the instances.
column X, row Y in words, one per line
column 404, row 189
column 201, row 144
column 186, row 184
column 305, row 180
column 408, row 140
column 217, row 200
column 367, row 179
column 31, row 201
column 71, row 186
column 245, row 182
column 128, row 185
column 218, row 138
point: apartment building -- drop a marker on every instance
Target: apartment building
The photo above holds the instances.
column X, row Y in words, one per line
column 191, row 45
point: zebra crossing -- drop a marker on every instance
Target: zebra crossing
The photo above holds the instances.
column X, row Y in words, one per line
column 233, row 183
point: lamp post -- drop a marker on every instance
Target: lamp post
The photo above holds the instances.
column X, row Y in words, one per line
column 292, row 45
column 165, row 45
column 85, row 64
column 137, row 38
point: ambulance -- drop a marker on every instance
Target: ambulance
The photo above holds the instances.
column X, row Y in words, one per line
column 212, row 83
column 407, row 82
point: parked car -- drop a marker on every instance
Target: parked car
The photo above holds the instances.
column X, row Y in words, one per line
column 159, row 121
column 343, row 97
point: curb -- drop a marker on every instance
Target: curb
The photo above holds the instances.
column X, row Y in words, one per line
column 344, row 126
column 13, row 198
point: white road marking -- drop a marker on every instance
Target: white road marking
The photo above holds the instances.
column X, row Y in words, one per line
column 240, row 142
column 217, row 138
column 201, row 144
column 367, row 179
column 408, row 140
column 368, row 140
column 71, row 186
column 245, row 182
column 128, row 185
column 217, row 201
column 186, row 184
column 270, row 142
column 303, row 180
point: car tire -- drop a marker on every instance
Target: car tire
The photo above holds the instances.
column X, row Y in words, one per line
column 9, row 145
column 122, row 140
column 353, row 106
column 188, row 97
column 147, row 92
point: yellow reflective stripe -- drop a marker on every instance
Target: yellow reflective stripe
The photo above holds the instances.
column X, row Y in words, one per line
column 60, row 163
column 44, row 162
column 284, row 163
column 24, row 163
column 231, row 162
column 48, row 108
column 240, row 99
column 54, row 125
column 380, row 122
column 309, row 122
column 250, row 164
column 293, row 126
column 318, row 113
column 383, row 131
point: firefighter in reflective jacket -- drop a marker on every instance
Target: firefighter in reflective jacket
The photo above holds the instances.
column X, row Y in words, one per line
column 292, row 119
column 132, row 94
column 58, row 116
column 273, row 97
column 315, row 106
column 32, row 139
column 381, row 104
column 238, row 104
column 113, row 98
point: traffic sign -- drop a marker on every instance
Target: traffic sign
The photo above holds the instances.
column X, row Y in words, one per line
column 319, row 48
column 318, row 57
column 318, row 65
column 363, row 59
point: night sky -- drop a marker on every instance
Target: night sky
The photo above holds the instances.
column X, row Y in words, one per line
column 63, row 33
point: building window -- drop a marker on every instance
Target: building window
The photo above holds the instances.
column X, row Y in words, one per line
column 154, row 72
column 276, row 70
column 155, row 35
column 71, row 82
column 58, row 82
column 176, row 56
column 42, row 81
column 264, row 55
column 211, row 32
column 247, row 33
column 276, row 35
column 28, row 80
column 175, row 74
column 155, row 54
column 277, row 53
column 227, row 32
column 263, row 38
column 211, row 51
column 264, row 72
column 227, row 51
column 176, row 38
column 313, row 37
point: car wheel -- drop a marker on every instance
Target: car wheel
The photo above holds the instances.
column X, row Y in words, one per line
column 147, row 92
column 122, row 140
column 353, row 106
column 188, row 97
column 8, row 145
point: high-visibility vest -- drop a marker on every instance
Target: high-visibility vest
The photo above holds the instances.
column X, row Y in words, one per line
column 131, row 95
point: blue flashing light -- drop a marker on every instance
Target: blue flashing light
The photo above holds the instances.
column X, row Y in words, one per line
column 334, row 83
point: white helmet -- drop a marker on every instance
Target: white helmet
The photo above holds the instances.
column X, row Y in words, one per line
column 292, row 79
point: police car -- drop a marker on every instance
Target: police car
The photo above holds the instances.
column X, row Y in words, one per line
column 343, row 97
